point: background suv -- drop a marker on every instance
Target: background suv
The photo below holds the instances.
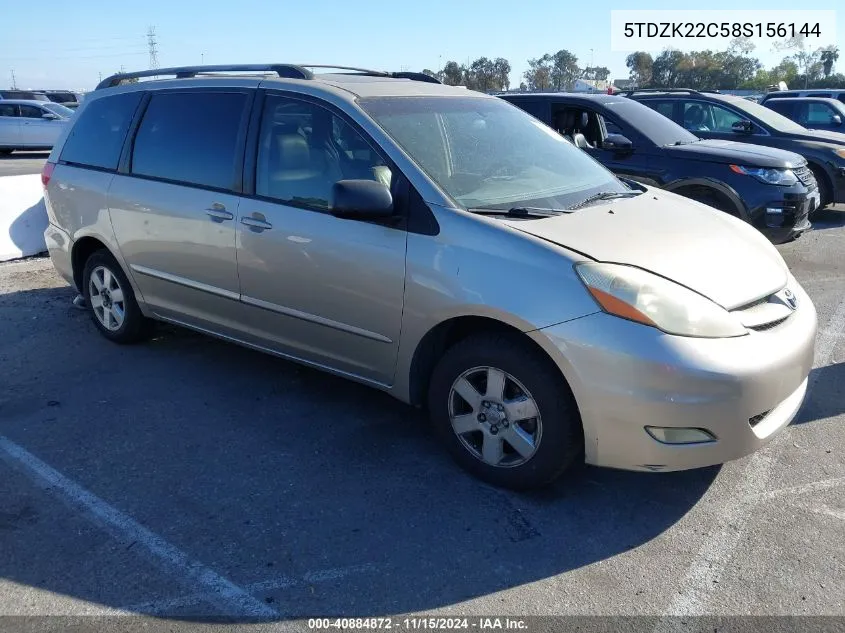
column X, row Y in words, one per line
column 441, row 245
column 721, row 116
column 771, row 189
column 813, row 113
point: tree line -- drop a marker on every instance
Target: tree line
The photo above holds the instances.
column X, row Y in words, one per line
column 737, row 68
column 552, row 71
column 733, row 68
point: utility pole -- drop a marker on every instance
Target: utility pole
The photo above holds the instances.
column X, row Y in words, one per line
column 153, row 47
column 202, row 58
column 14, row 82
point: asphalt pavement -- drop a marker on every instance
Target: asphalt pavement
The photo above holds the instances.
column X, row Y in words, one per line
column 19, row 163
column 189, row 478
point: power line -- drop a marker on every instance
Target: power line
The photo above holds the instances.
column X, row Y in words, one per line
column 152, row 44
column 73, row 57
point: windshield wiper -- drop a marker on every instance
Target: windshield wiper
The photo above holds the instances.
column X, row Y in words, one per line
column 604, row 195
column 676, row 143
column 521, row 212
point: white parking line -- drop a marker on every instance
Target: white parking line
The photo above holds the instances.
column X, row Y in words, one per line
column 815, row 486
column 230, row 598
column 167, row 607
column 718, row 547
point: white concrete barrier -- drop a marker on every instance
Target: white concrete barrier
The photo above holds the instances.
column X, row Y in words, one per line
column 23, row 216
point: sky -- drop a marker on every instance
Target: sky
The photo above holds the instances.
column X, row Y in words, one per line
column 67, row 44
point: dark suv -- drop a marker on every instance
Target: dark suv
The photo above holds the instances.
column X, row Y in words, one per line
column 771, row 189
column 721, row 116
column 814, row 113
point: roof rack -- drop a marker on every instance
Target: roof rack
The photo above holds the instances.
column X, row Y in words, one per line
column 691, row 91
column 288, row 71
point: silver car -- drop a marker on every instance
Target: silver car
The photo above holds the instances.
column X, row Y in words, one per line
column 440, row 245
column 31, row 125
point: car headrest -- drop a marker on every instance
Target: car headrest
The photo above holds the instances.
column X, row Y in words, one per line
column 292, row 150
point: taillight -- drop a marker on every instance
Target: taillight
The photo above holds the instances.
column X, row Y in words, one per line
column 47, row 173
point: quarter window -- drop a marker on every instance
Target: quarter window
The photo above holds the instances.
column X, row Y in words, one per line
column 95, row 140
column 305, row 149
column 191, row 137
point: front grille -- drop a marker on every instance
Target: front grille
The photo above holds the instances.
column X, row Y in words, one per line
column 755, row 420
column 768, row 326
column 805, row 176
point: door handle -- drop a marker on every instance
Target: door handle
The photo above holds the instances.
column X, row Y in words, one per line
column 218, row 213
column 256, row 224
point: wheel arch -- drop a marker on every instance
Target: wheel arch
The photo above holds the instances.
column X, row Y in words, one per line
column 825, row 184
column 434, row 343
column 716, row 186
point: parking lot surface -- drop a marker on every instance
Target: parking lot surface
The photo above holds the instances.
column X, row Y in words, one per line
column 191, row 478
column 19, row 163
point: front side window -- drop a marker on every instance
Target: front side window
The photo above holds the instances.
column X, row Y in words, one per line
column 191, row 137
column 305, row 149
column 99, row 131
column 31, row 112
column 487, row 153
column 816, row 114
column 707, row 117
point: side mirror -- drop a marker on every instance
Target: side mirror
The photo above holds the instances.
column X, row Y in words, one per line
column 618, row 143
column 836, row 119
column 742, row 127
column 49, row 116
column 361, row 199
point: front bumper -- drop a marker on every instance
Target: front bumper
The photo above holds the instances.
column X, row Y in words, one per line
column 626, row 376
column 784, row 218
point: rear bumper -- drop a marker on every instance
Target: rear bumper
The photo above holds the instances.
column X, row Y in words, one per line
column 59, row 246
column 626, row 376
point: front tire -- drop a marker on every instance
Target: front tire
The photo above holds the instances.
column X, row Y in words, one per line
column 504, row 411
column 111, row 300
column 825, row 194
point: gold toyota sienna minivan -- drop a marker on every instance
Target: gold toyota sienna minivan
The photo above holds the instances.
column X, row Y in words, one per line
column 438, row 244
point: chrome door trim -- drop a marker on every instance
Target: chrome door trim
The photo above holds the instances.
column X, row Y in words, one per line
column 188, row 283
column 267, row 350
column 313, row 318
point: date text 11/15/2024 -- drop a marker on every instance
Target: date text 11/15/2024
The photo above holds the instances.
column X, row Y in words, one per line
column 491, row 623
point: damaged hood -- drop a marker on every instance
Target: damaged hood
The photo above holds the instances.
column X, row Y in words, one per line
column 706, row 250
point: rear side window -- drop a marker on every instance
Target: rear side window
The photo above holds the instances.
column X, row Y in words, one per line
column 665, row 108
column 8, row 110
column 191, row 137
column 781, row 106
column 98, row 134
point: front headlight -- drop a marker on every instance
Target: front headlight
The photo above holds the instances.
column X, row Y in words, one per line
column 840, row 152
column 637, row 295
column 785, row 177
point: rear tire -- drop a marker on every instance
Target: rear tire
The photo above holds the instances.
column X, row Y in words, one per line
column 111, row 300
column 495, row 400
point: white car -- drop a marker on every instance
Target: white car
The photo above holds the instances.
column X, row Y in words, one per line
column 31, row 125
